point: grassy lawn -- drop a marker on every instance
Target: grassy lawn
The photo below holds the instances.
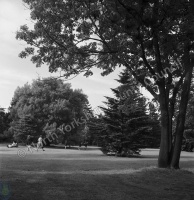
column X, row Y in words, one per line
column 65, row 174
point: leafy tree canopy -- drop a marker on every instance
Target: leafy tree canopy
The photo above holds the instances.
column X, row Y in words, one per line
column 76, row 35
column 44, row 103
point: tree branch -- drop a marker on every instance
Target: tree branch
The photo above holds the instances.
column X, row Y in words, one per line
column 144, row 58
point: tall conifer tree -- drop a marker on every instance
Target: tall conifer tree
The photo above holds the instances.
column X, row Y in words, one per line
column 127, row 123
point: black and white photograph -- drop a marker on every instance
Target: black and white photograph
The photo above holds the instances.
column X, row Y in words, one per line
column 97, row 100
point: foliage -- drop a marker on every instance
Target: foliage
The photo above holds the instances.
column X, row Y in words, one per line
column 26, row 125
column 96, row 129
column 75, row 35
column 189, row 123
column 188, row 142
column 46, row 104
column 4, row 126
column 125, row 126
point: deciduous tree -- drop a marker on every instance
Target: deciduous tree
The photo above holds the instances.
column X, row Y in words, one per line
column 50, row 103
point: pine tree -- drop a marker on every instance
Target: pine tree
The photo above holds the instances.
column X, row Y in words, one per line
column 2, row 117
column 127, row 125
column 97, row 128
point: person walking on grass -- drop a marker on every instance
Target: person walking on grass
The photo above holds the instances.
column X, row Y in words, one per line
column 40, row 143
column 29, row 143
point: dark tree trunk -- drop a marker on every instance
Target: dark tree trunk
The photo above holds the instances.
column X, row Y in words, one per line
column 169, row 155
column 163, row 159
column 171, row 111
column 181, row 119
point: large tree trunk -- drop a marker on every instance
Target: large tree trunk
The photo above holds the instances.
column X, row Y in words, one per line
column 163, row 159
column 171, row 114
column 181, row 119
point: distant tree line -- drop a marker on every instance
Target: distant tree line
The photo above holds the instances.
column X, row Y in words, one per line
column 49, row 107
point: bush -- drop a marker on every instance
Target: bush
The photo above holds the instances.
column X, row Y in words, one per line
column 125, row 152
column 188, row 134
column 188, row 145
column 6, row 137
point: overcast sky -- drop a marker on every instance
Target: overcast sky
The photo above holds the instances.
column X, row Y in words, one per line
column 15, row 71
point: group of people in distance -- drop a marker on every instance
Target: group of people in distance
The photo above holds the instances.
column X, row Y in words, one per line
column 29, row 143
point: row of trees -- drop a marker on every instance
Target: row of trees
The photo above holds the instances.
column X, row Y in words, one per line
column 62, row 115
column 51, row 108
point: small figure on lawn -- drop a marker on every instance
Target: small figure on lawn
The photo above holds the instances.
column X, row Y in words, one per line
column 14, row 144
column 40, row 143
column 29, row 142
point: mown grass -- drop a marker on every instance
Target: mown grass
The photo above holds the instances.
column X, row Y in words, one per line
column 89, row 175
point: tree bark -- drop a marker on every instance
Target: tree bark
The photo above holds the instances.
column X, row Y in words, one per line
column 171, row 114
column 181, row 119
column 163, row 159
